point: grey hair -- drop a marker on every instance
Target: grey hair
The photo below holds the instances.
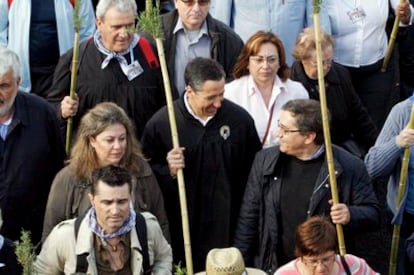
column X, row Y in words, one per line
column 121, row 5
column 9, row 61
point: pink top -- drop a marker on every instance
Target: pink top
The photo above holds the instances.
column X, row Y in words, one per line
column 357, row 266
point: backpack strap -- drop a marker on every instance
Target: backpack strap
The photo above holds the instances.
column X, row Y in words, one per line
column 81, row 261
column 149, row 54
column 140, row 227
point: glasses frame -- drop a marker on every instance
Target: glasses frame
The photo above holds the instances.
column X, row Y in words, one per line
column 286, row 131
column 259, row 60
column 200, row 2
column 325, row 62
column 325, row 261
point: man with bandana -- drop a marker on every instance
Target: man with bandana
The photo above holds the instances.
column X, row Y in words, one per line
column 107, row 234
column 219, row 141
column 117, row 65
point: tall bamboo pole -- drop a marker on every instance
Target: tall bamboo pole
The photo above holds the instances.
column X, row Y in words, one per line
column 77, row 21
column 391, row 42
column 325, row 121
column 150, row 22
column 401, row 188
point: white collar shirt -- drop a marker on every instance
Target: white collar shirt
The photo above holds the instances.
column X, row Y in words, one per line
column 244, row 92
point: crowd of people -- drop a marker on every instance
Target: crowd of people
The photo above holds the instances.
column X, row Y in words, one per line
column 244, row 80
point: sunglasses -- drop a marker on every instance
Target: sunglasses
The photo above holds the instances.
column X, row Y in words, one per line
column 192, row 2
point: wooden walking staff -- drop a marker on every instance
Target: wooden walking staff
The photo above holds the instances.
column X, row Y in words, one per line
column 77, row 21
column 325, row 120
column 391, row 42
column 401, row 188
column 149, row 21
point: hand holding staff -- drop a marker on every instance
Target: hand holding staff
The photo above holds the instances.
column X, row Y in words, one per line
column 325, row 121
column 401, row 188
column 402, row 12
column 77, row 21
column 149, row 21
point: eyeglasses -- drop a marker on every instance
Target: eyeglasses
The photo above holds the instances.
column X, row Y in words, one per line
column 284, row 130
column 325, row 62
column 325, row 261
column 192, row 2
column 271, row 59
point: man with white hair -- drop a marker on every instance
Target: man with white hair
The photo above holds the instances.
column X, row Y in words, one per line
column 117, row 65
column 31, row 152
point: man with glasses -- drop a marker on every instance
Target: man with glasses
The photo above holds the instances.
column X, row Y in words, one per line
column 219, row 141
column 189, row 32
column 289, row 183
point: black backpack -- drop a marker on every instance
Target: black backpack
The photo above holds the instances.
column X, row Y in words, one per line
column 140, row 227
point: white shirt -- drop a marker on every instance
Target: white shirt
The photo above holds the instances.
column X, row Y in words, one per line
column 358, row 27
column 244, row 92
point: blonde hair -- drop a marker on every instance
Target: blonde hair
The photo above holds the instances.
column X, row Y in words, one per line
column 83, row 158
column 306, row 43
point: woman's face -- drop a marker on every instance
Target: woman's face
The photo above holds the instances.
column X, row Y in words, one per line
column 264, row 65
column 322, row 264
column 310, row 64
column 110, row 144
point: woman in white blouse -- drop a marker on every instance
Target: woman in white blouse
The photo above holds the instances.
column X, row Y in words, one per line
column 358, row 27
column 261, row 84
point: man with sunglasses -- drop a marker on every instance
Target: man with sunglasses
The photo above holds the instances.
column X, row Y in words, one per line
column 289, row 183
column 189, row 32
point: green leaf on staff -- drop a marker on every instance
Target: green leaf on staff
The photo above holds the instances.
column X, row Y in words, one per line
column 77, row 20
column 317, row 6
column 149, row 21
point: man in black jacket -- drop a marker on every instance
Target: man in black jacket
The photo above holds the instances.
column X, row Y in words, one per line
column 31, row 152
column 290, row 183
column 219, row 141
column 189, row 32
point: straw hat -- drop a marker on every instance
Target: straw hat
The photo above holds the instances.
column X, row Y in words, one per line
column 227, row 261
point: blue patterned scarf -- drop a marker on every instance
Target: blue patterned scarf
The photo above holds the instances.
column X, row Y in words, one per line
column 128, row 225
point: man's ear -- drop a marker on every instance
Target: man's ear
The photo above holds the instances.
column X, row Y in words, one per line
column 310, row 137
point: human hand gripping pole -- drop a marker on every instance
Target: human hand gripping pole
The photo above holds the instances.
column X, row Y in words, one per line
column 77, row 21
column 393, row 35
column 325, row 121
column 401, row 187
column 150, row 22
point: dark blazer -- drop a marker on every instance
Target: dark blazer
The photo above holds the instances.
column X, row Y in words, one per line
column 257, row 230
column 225, row 48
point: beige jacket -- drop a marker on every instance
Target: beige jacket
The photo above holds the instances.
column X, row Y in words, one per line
column 59, row 252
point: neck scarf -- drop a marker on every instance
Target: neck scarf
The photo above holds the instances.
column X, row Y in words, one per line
column 128, row 225
column 97, row 38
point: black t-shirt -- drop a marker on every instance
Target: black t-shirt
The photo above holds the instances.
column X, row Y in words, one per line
column 298, row 181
